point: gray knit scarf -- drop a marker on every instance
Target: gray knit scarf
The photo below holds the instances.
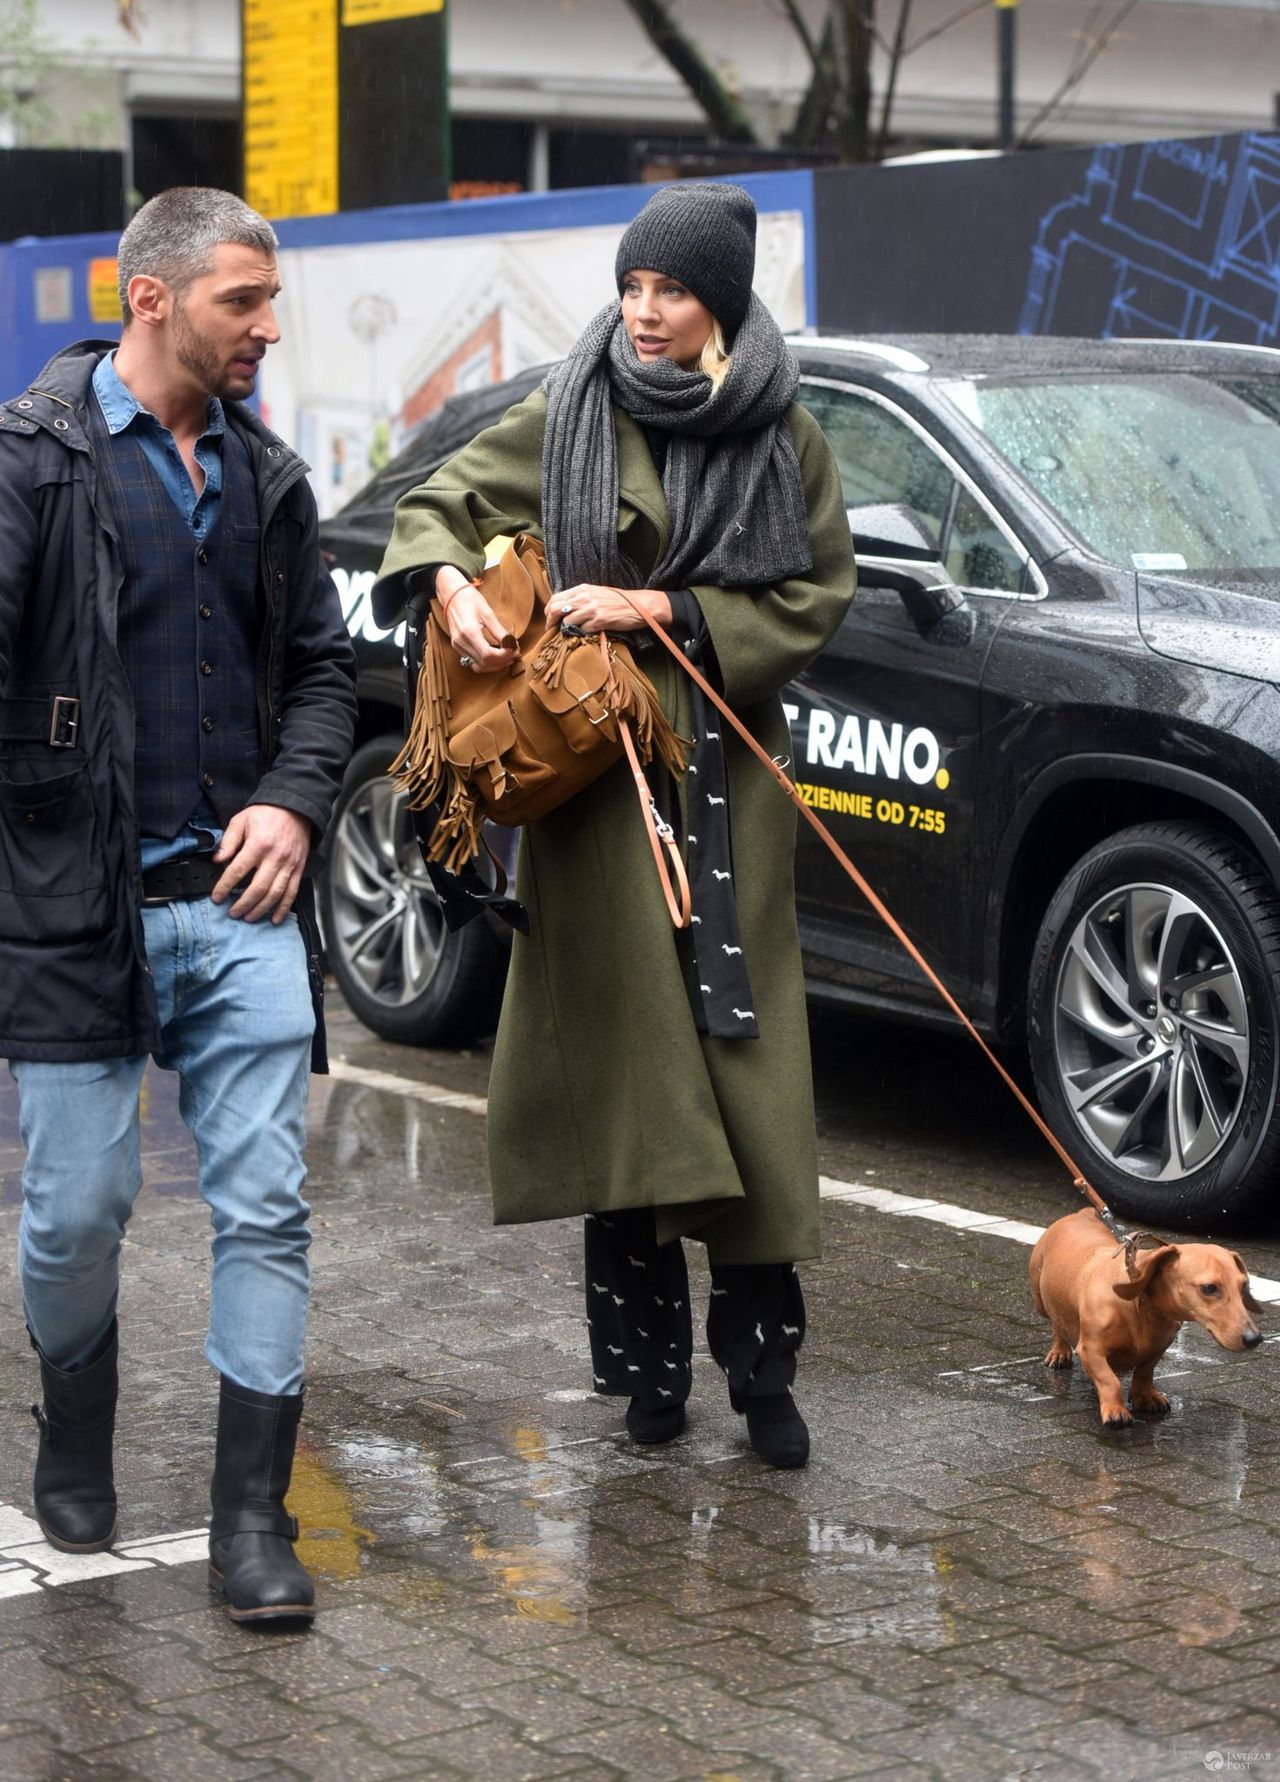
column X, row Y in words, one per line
column 731, row 478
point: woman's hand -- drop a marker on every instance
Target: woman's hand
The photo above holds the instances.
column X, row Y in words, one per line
column 474, row 629
column 590, row 607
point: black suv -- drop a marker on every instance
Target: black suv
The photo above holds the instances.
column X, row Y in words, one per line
column 1049, row 732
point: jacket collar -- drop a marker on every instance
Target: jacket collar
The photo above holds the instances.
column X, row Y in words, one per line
column 58, row 402
column 121, row 408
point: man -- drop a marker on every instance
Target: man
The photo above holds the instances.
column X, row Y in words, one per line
column 176, row 711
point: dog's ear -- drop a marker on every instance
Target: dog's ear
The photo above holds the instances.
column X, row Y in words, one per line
column 1146, row 1266
column 1247, row 1300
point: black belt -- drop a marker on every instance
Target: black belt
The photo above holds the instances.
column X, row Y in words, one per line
column 179, row 881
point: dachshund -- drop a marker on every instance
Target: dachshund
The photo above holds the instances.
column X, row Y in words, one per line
column 1119, row 1308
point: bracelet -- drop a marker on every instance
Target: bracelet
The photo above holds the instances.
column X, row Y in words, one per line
column 446, row 599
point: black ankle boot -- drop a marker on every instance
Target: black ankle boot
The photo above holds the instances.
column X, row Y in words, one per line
column 251, row 1557
column 775, row 1428
column 661, row 1425
column 75, row 1491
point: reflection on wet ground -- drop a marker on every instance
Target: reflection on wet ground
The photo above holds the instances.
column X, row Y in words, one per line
column 970, row 1580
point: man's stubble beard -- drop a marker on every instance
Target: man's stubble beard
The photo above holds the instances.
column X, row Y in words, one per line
column 197, row 354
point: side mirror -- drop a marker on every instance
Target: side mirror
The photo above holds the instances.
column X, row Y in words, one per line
column 891, row 529
column 937, row 609
column 895, row 549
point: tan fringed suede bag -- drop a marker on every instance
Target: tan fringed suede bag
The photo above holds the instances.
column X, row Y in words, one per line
column 511, row 747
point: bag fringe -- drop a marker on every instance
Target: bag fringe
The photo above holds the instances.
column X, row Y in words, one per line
column 553, row 654
column 419, row 769
column 458, row 835
column 633, row 697
column 423, row 770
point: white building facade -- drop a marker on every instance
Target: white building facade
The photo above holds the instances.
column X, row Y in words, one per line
column 557, row 92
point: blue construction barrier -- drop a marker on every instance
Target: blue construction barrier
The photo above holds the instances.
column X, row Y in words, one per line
column 54, row 273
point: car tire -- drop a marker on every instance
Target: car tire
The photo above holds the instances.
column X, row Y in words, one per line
column 399, row 968
column 1154, row 1024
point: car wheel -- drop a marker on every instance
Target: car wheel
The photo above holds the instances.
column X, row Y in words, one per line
column 1153, row 1023
column 396, row 963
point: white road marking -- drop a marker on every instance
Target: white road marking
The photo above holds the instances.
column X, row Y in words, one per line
column 435, row 1093
column 28, row 1562
column 986, row 1367
column 862, row 1194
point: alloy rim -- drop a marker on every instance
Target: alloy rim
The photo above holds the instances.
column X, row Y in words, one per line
column 389, row 926
column 1151, row 1032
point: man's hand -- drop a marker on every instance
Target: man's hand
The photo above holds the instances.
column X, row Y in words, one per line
column 264, row 849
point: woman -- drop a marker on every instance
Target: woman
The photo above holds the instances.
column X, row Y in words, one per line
column 659, row 1083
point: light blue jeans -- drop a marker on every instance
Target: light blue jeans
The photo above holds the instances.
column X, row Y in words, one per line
column 236, row 1023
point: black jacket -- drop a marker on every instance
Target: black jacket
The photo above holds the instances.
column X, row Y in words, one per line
column 74, row 982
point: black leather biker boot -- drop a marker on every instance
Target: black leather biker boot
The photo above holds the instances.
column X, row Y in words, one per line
column 75, row 1493
column 251, row 1558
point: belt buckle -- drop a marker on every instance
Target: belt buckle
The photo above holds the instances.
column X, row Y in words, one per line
column 64, row 726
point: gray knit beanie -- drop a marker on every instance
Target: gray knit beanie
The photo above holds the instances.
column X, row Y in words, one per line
column 703, row 235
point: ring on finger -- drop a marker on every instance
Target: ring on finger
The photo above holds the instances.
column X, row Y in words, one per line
column 466, row 661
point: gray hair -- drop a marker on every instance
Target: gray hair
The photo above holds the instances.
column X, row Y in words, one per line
column 174, row 235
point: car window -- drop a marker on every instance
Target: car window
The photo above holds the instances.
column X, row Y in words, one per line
column 978, row 554
column 881, row 459
column 1175, row 473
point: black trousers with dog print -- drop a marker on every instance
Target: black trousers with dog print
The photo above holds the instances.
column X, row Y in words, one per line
column 641, row 1325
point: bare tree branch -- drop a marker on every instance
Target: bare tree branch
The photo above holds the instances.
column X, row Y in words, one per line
column 791, row 10
column 727, row 118
column 814, row 111
column 802, row 31
column 837, row 100
column 854, row 31
column 891, row 80
column 1081, row 65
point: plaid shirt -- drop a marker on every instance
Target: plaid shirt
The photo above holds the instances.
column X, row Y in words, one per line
column 121, row 410
column 188, row 631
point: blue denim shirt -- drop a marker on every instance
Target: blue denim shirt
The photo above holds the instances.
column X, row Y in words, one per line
column 121, row 409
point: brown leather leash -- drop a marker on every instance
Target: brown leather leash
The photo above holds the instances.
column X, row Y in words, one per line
column 661, row 835
column 1080, row 1180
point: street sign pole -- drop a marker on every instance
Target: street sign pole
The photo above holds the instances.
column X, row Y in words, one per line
column 1006, row 14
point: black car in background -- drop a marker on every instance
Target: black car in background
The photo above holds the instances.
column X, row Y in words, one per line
column 1049, row 732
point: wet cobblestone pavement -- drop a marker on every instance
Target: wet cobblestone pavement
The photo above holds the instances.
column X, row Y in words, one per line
column 970, row 1580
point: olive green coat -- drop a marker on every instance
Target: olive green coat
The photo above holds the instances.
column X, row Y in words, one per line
column 603, row 1093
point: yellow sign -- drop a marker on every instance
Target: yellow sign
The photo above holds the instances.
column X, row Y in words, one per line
column 104, row 295
column 372, row 12
column 291, row 106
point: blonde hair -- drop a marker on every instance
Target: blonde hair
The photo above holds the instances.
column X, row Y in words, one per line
column 716, row 357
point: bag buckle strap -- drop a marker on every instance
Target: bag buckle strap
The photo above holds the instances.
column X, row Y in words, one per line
column 64, row 724
column 580, row 700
